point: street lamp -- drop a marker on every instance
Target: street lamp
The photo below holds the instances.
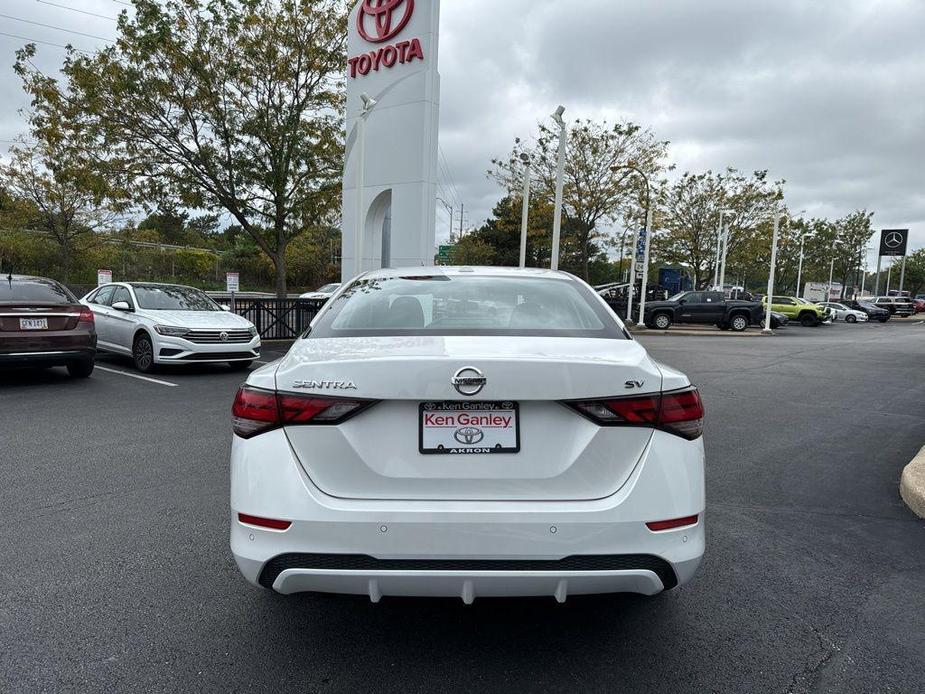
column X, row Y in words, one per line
column 525, row 158
column 560, row 184
column 645, row 270
column 722, row 269
column 828, row 289
column 767, row 313
column 719, row 245
column 368, row 104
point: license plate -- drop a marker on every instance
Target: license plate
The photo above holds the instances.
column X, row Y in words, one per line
column 33, row 324
column 466, row 428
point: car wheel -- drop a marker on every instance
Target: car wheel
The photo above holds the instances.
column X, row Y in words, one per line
column 808, row 320
column 143, row 354
column 851, row 319
column 662, row 321
column 239, row 365
column 80, row 369
column 738, row 323
column 884, row 320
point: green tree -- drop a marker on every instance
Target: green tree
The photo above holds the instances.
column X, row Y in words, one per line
column 223, row 105
column 55, row 198
column 915, row 272
column 597, row 187
column 690, row 220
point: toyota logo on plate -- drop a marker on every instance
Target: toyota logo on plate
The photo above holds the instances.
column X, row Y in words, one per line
column 381, row 16
column 469, row 435
column 468, row 381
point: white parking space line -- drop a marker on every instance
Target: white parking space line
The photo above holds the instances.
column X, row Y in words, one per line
column 140, row 378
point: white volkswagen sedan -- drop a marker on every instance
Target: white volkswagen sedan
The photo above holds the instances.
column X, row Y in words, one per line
column 169, row 324
column 467, row 432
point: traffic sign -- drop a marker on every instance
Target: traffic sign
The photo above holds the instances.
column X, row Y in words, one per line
column 232, row 282
column 443, row 254
column 103, row 277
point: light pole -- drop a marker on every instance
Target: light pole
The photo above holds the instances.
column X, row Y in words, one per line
column 449, row 208
column 828, row 289
column 525, row 158
column 722, row 269
column 767, row 314
column 645, row 271
column 368, row 104
column 645, row 268
column 560, row 184
column 719, row 247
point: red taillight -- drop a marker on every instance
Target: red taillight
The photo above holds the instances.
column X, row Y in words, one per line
column 679, row 412
column 86, row 315
column 256, row 411
column 658, row 526
column 271, row 523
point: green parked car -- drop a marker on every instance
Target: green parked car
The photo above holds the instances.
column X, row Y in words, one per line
column 797, row 309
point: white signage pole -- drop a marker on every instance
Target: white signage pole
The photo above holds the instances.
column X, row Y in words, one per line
column 392, row 48
column 645, row 269
column 560, row 184
column 525, row 213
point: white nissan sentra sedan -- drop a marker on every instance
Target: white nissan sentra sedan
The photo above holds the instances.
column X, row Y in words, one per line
column 467, row 432
column 169, row 324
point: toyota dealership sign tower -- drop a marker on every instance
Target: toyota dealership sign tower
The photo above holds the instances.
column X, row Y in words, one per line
column 392, row 60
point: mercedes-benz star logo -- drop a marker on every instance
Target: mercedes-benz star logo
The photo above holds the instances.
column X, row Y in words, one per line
column 381, row 12
column 223, row 336
column 893, row 240
column 468, row 381
column 469, row 435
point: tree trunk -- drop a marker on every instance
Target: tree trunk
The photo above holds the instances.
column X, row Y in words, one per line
column 280, row 262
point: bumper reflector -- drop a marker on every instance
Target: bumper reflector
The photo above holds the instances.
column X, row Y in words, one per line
column 658, row 526
column 270, row 523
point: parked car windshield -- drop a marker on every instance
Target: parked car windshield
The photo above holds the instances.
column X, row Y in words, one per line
column 33, row 290
column 170, row 298
column 328, row 289
column 476, row 305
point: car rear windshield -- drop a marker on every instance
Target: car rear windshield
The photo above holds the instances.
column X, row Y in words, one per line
column 169, row 298
column 476, row 305
column 34, row 290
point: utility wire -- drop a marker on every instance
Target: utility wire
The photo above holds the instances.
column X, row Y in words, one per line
column 50, row 26
column 46, row 43
column 75, row 9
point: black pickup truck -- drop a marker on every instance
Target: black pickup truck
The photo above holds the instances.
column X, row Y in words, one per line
column 703, row 307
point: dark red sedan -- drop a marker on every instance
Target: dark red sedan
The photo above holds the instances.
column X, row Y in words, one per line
column 42, row 324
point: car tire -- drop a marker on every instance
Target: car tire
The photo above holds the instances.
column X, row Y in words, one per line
column 143, row 354
column 239, row 365
column 80, row 369
column 661, row 321
column 851, row 319
column 884, row 320
column 738, row 323
column 808, row 320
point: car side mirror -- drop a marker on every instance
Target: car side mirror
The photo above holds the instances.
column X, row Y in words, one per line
column 122, row 306
column 226, row 307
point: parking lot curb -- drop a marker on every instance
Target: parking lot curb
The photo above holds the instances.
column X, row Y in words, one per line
column 696, row 333
column 912, row 485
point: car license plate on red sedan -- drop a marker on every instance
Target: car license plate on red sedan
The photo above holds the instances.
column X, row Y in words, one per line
column 467, row 428
column 33, row 324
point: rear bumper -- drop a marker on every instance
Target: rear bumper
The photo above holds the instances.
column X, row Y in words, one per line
column 465, row 549
column 47, row 357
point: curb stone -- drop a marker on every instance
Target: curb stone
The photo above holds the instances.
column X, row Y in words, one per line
column 912, row 485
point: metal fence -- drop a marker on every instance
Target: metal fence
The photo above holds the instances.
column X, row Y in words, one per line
column 276, row 319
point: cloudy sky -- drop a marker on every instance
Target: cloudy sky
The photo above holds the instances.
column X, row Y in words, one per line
column 827, row 94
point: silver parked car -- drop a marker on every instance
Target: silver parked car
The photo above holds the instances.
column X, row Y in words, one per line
column 842, row 312
column 169, row 324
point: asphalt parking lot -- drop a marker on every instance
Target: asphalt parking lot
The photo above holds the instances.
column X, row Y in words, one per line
column 117, row 576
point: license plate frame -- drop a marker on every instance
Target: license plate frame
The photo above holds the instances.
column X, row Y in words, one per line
column 33, row 324
column 453, row 408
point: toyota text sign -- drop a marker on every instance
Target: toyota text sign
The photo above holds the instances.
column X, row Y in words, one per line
column 894, row 241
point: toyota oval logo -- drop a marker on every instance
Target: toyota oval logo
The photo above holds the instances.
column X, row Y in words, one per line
column 469, row 435
column 223, row 336
column 468, row 381
column 379, row 20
